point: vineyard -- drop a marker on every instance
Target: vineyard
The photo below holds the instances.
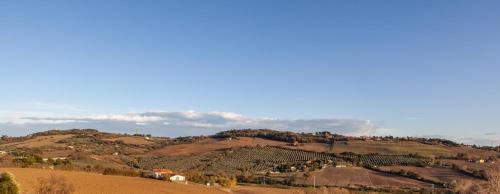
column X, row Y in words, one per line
column 176, row 163
column 268, row 158
column 384, row 160
column 259, row 160
column 389, row 160
column 251, row 159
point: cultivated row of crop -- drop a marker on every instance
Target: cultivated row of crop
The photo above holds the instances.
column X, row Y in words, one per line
column 270, row 158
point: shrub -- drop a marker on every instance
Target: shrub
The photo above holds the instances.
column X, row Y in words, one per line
column 230, row 183
column 54, row 185
column 7, row 184
column 121, row 172
column 28, row 160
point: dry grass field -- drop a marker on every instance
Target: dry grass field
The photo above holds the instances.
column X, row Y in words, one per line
column 381, row 147
column 131, row 140
column 40, row 141
column 332, row 176
column 445, row 175
column 388, row 147
column 471, row 152
column 85, row 183
column 435, row 174
column 271, row 190
column 211, row 145
column 57, row 153
column 472, row 165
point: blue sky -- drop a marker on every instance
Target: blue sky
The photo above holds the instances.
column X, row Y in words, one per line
column 405, row 67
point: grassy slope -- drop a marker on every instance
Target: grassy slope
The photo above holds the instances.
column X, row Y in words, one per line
column 211, row 145
column 40, row 141
column 96, row 183
column 391, row 148
column 359, row 176
column 293, row 190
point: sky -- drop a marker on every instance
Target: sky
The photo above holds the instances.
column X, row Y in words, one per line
column 404, row 68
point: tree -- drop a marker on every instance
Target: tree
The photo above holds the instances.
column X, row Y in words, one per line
column 54, row 185
column 493, row 177
column 7, row 184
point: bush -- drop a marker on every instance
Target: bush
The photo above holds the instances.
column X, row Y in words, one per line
column 54, row 185
column 28, row 160
column 121, row 172
column 7, row 184
column 229, row 183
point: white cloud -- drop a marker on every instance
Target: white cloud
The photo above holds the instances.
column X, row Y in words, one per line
column 196, row 123
column 166, row 122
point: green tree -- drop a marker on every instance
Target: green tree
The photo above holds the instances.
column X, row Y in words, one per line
column 7, row 184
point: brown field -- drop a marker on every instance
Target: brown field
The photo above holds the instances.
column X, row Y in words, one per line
column 382, row 147
column 85, row 183
column 131, row 140
column 39, row 141
column 56, row 153
column 464, row 182
column 472, row 152
column 212, row 144
column 436, row 174
column 332, row 176
column 292, row 190
column 472, row 165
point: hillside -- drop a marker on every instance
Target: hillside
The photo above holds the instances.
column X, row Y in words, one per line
column 256, row 157
column 85, row 183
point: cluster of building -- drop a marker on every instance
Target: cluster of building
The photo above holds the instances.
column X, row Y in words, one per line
column 167, row 174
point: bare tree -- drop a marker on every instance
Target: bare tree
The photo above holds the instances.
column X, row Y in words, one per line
column 54, row 185
column 494, row 179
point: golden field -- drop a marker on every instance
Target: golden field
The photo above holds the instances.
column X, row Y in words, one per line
column 86, row 183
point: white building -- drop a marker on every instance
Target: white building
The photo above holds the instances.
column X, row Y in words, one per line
column 177, row 178
column 160, row 173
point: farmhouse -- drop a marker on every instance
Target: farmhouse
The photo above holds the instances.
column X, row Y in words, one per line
column 160, row 173
column 177, row 178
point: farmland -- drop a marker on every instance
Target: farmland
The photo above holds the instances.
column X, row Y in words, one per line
column 211, row 145
column 85, row 183
column 359, row 176
column 254, row 159
column 39, row 141
column 435, row 174
column 131, row 140
column 95, row 183
column 263, row 159
column 290, row 190
column 267, row 157
column 380, row 147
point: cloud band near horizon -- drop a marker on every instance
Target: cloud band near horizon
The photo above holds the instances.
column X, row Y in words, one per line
column 192, row 123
